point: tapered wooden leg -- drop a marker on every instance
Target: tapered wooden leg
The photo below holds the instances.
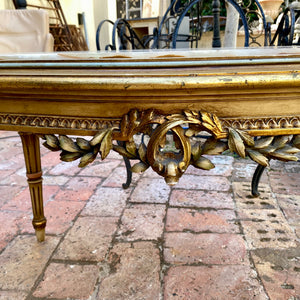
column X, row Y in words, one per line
column 31, row 149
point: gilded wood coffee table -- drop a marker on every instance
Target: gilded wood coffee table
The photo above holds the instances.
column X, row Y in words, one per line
column 165, row 109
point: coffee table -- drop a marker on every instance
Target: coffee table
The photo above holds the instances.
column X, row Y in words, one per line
column 164, row 109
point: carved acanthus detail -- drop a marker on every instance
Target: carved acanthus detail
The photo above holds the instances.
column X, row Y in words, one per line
column 169, row 144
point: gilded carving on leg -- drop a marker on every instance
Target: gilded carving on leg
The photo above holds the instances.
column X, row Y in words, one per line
column 170, row 143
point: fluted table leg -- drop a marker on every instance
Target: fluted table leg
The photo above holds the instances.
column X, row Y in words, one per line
column 31, row 149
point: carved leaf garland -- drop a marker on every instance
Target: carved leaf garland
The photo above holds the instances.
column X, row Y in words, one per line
column 122, row 151
column 262, row 143
column 258, row 157
column 83, row 144
column 262, row 150
column 143, row 152
column 81, row 148
column 68, row 144
column 106, row 144
column 52, row 141
column 235, row 143
column 188, row 147
column 203, row 163
column 88, row 157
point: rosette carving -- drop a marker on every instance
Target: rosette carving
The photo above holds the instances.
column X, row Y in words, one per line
column 170, row 143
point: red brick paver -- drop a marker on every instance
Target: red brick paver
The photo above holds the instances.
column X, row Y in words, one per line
column 79, row 281
column 213, row 282
column 188, row 248
column 21, row 261
column 134, row 272
column 89, row 239
column 142, row 222
column 182, row 219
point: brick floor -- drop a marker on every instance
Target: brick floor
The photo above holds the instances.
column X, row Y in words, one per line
column 189, row 248
column 79, row 281
column 134, row 272
column 213, row 282
column 205, row 238
column 193, row 220
column 89, row 239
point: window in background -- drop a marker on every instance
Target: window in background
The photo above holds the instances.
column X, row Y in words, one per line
column 129, row 9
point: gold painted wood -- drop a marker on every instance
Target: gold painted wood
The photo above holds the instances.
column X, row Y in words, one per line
column 31, row 150
column 68, row 93
column 234, row 95
column 174, row 142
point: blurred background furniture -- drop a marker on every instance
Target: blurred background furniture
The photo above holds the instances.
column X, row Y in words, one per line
column 205, row 24
column 66, row 37
column 183, row 25
column 25, row 31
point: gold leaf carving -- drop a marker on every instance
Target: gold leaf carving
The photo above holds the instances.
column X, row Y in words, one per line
column 182, row 166
column 68, row 144
column 106, row 144
column 190, row 132
column 212, row 123
column 289, row 149
column 51, row 148
column 70, row 156
column 83, row 144
column 52, row 141
column 269, row 149
column 190, row 114
column 143, row 152
column 235, row 143
column 87, row 159
column 131, row 148
column 283, row 156
column 261, row 123
column 296, row 141
column 170, row 143
column 280, row 141
column 167, row 164
column 98, row 137
column 123, row 152
column 203, row 163
column 95, row 124
column 264, row 149
column 139, row 167
column 263, row 142
column 196, row 151
column 247, row 138
column 213, row 146
column 258, row 157
column 217, row 122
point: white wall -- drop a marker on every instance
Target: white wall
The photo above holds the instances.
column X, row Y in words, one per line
column 72, row 8
column 95, row 11
column 105, row 9
column 6, row 4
